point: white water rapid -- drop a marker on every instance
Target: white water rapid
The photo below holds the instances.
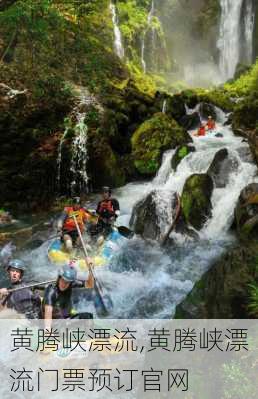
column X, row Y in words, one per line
column 144, row 280
column 118, row 44
column 230, row 40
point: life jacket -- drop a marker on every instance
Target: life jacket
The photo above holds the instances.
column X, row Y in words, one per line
column 69, row 223
column 201, row 131
column 106, row 208
column 211, row 124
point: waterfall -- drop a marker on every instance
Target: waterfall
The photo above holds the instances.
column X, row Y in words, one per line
column 149, row 22
column 59, row 158
column 229, row 43
column 118, row 45
column 249, row 28
column 79, row 155
column 164, row 107
column 142, row 53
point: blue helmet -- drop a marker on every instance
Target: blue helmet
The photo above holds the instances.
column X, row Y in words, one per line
column 68, row 273
column 17, row 264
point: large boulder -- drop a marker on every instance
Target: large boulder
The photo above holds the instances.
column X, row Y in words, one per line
column 191, row 121
column 246, row 212
column 180, row 154
column 196, row 199
column 223, row 291
column 149, row 218
column 152, row 138
column 206, row 110
column 222, row 165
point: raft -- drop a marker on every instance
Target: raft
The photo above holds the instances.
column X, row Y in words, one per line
column 57, row 254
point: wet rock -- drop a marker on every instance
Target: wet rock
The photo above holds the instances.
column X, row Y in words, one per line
column 150, row 218
column 176, row 107
column 180, row 154
column 246, row 212
column 152, row 138
column 206, row 110
column 229, row 120
column 190, row 122
column 196, row 200
column 245, row 154
column 221, row 167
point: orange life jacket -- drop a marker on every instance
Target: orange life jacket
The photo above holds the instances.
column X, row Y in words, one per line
column 81, row 217
column 201, row 131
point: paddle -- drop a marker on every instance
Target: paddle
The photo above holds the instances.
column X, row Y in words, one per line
column 97, row 285
column 165, row 238
column 11, row 290
column 31, row 286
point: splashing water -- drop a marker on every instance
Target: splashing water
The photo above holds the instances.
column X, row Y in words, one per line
column 118, row 44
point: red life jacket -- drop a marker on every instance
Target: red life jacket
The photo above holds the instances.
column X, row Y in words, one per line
column 106, row 207
column 211, row 124
column 201, row 131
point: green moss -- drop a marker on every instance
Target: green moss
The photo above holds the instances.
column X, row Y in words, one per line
column 152, row 138
column 195, row 200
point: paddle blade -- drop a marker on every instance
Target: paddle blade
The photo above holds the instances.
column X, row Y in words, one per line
column 124, row 231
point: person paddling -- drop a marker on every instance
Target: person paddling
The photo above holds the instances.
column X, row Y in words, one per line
column 23, row 300
column 66, row 224
column 57, row 302
column 201, row 131
column 108, row 210
column 211, row 124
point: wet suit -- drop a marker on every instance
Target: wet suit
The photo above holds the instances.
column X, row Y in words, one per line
column 24, row 301
column 61, row 301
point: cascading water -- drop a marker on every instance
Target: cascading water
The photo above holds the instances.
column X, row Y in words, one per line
column 148, row 282
column 144, row 280
column 149, row 21
column 230, row 40
column 164, row 107
column 248, row 30
column 118, row 44
column 59, row 158
column 79, row 156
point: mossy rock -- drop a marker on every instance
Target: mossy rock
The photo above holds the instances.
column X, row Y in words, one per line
column 196, row 200
column 180, row 154
column 104, row 165
column 152, row 138
column 245, row 114
column 246, row 212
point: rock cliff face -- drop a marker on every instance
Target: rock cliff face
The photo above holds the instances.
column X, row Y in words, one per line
column 223, row 291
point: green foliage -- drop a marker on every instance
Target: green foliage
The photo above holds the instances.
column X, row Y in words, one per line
column 246, row 84
column 253, row 300
column 52, row 87
column 152, row 138
column 183, row 152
